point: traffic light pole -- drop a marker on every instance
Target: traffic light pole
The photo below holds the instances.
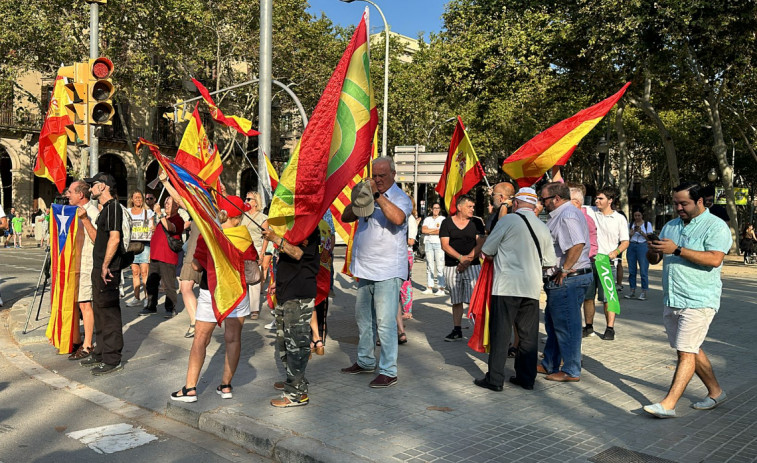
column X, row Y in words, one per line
column 94, row 40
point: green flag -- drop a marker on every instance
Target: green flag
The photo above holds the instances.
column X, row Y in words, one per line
column 604, row 270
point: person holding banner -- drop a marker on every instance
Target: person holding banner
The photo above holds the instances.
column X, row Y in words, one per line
column 612, row 240
column 566, row 286
column 691, row 248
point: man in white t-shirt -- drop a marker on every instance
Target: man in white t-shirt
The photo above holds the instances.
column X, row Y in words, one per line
column 612, row 239
column 433, row 248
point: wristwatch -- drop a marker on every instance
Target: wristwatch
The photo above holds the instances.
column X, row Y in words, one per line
column 376, row 195
column 677, row 252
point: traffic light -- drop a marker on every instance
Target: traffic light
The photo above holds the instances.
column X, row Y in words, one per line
column 100, row 110
column 77, row 105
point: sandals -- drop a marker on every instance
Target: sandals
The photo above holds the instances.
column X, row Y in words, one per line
column 190, row 332
column 318, row 348
column 224, row 395
column 185, row 397
column 81, row 353
column 401, row 338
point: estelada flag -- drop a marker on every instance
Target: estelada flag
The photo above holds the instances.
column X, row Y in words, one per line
column 196, row 153
column 462, row 171
column 335, row 146
column 554, row 146
column 326, row 248
column 227, row 262
column 52, row 157
column 478, row 310
column 240, row 124
column 273, row 177
column 65, row 239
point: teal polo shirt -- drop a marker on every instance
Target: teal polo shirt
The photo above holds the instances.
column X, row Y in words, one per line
column 687, row 285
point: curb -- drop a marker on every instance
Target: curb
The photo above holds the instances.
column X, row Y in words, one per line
column 17, row 320
column 269, row 441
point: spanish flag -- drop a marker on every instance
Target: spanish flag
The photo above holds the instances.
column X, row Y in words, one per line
column 335, row 146
column 51, row 160
column 462, row 171
column 554, row 146
column 273, row 177
column 196, row 154
column 240, row 124
column 480, row 305
column 65, row 236
column 227, row 261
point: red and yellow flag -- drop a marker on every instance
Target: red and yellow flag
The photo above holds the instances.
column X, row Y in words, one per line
column 326, row 249
column 225, row 262
column 273, row 177
column 240, row 124
column 335, row 146
column 555, row 145
column 65, row 236
column 196, row 154
column 480, row 305
column 51, row 160
column 462, row 171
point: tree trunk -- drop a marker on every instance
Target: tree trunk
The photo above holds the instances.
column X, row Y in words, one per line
column 670, row 151
column 622, row 159
column 138, row 159
column 726, row 171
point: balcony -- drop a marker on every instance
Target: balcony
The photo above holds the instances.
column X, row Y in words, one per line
column 20, row 120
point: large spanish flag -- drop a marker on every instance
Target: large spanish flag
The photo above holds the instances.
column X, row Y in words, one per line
column 65, row 236
column 335, row 146
column 240, row 124
column 462, row 171
column 554, row 146
column 196, row 154
column 226, row 281
column 51, row 160
column 480, row 305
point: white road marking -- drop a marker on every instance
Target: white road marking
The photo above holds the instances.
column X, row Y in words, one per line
column 112, row 438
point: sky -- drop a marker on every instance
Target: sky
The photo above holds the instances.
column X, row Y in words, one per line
column 406, row 17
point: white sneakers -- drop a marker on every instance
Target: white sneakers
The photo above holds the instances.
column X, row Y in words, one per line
column 642, row 296
column 270, row 326
column 427, row 291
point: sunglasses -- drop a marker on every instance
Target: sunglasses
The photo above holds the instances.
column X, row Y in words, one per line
column 149, row 198
column 546, row 198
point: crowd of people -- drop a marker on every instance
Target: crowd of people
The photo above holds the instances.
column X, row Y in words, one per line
column 528, row 256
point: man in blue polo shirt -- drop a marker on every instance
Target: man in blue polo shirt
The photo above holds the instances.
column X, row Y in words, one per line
column 692, row 248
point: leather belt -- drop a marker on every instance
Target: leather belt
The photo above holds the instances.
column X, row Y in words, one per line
column 582, row 271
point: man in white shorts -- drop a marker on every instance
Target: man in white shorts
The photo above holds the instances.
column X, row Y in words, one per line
column 692, row 248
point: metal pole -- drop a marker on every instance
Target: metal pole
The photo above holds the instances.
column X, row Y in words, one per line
column 415, row 175
column 266, row 69
column 386, row 79
column 94, row 40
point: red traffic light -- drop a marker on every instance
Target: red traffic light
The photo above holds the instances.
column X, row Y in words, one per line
column 102, row 68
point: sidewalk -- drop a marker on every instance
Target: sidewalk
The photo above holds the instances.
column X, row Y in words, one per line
column 435, row 413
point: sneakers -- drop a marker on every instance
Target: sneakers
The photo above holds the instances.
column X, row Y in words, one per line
column 134, row 302
column 427, row 291
column 357, row 369
column 588, row 332
column 439, row 292
column 270, row 326
column 278, row 385
column 91, row 362
column 643, row 296
column 286, row 401
column 104, row 369
column 454, row 336
column 383, row 381
column 147, row 311
column 609, row 334
column 169, row 314
column 630, row 296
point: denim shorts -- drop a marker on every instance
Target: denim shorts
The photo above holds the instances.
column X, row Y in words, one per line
column 144, row 256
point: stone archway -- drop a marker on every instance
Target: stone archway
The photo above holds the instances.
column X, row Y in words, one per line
column 6, row 180
column 151, row 173
column 248, row 181
column 112, row 164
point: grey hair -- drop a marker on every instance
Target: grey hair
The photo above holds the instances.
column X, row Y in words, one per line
column 385, row 159
column 577, row 195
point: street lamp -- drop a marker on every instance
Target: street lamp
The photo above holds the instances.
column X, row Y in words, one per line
column 712, row 175
column 603, row 148
column 386, row 72
column 446, row 121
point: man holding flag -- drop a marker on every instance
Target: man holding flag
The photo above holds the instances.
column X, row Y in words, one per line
column 380, row 263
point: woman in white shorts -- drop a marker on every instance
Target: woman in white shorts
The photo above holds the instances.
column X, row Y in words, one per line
column 205, row 319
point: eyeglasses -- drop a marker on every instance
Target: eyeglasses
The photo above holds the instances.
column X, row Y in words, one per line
column 548, row 197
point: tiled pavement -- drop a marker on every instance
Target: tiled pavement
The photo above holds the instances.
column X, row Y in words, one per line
column 435, row 413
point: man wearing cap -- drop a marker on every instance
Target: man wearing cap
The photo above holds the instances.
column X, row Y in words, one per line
column 106, row 278
column 520, row 245
column 379, row 261
column 566, row 286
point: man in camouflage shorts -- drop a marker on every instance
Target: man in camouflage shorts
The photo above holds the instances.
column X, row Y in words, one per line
column 296, row 289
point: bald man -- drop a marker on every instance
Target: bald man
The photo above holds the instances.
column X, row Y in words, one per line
column 501, row 196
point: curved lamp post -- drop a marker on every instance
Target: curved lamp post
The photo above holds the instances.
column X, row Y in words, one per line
column 386, row 73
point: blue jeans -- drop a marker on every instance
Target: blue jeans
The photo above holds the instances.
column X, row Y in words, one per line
column 637, row 253
column 376, row 305
column 434, row 264
column 562, row 320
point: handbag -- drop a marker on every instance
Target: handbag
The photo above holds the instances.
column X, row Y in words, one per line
column 136, row 247
column 174, row 244
column 252, row 273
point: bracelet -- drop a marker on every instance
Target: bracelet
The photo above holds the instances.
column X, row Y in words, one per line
column 281, row 243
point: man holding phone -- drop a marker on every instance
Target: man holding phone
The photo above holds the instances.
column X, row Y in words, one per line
column 692, row 248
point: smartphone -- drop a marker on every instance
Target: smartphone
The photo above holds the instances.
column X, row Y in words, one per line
column 653, row 237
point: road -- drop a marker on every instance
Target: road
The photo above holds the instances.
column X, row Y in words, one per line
column 19, row 272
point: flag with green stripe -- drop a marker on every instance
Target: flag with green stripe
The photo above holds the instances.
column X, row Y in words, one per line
column 335, row 146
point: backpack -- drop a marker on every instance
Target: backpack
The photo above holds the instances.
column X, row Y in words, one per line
column 127, row 257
